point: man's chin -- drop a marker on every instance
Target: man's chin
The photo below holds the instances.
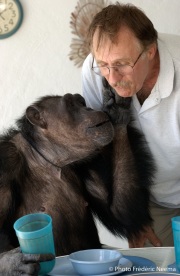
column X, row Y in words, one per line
column 123, row 93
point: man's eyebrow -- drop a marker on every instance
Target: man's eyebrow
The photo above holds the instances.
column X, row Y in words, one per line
column 119, row 60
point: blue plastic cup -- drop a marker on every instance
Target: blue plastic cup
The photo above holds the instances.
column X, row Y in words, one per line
column 176, row 236
column 34, row 232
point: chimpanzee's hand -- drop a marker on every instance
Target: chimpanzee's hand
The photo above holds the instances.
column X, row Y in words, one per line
column 117, row 108
column 15, row 263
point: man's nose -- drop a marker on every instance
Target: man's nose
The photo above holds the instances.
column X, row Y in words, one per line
column 113, row 77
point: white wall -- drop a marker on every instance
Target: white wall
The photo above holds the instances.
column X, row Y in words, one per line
column 34, row 61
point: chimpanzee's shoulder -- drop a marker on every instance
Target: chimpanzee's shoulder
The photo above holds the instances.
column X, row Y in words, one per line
column 11, row 159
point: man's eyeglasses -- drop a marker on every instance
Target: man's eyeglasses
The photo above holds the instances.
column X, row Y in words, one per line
column 121, row 69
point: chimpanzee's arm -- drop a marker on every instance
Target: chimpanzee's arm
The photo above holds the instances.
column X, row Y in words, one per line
column 134, row 171
column 120, row 195
column 13, row 262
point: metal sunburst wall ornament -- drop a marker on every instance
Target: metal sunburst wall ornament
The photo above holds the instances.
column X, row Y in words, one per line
column 80, row 21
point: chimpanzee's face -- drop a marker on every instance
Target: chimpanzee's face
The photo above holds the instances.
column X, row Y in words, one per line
column 67, row 121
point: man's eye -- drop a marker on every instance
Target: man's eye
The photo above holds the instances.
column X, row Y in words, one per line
column 102, row 65
column 120, row 64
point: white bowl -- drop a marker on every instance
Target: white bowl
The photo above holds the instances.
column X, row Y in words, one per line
column 95, row 261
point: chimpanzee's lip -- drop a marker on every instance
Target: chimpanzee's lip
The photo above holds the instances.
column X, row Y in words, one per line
column 100, row 124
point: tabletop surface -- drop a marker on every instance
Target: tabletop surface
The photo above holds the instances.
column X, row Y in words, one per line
column 161, row 256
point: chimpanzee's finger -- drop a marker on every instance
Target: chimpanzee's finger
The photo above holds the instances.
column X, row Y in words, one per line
column 38, row 257
column 29, row 269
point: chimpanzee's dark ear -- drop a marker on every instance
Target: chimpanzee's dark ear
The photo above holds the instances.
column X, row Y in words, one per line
column 35, row 117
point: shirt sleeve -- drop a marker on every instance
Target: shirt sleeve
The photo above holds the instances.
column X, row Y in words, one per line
column 91, row 85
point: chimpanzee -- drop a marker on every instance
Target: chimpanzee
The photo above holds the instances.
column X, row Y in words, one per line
column 69, row 161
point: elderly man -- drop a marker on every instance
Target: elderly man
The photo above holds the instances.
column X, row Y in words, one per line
column 139, row 63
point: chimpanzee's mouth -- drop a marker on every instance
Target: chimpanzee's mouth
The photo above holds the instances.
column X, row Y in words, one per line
column 101, row 132
column 100, row 124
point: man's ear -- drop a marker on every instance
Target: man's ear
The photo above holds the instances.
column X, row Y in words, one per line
column 152, row 51
column 35, row 117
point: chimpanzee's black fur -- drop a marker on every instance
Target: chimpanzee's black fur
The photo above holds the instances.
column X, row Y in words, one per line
column 70, row 162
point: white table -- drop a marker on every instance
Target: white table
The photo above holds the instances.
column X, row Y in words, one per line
column 161, row 256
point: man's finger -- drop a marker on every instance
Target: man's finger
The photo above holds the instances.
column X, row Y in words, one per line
column 137, row 243
column 154, row 240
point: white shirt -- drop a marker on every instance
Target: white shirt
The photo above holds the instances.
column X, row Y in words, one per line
column 158, row 118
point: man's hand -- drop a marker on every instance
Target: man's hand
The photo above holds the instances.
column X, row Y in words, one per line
column 147, row 235
column 15, row 263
